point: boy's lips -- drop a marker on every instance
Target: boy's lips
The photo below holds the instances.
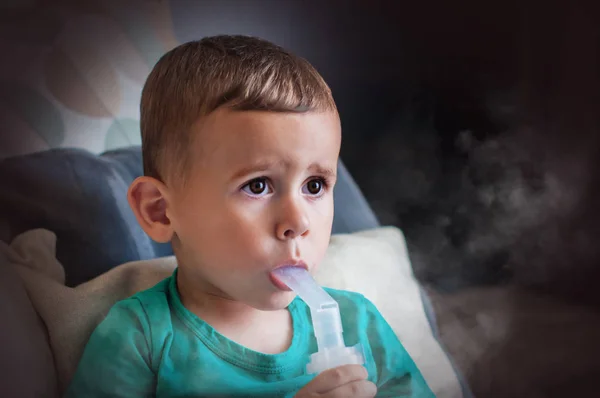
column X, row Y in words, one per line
column 277, row 282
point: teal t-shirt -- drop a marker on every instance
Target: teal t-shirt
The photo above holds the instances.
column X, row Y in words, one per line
column 151, row 345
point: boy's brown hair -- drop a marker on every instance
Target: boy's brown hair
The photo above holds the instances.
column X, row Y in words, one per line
column 196, row 78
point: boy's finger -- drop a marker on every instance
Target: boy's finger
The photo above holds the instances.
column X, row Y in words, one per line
column 333, row 378
column 355, row 389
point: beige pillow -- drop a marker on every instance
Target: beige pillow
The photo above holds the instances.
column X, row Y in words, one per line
column 71, row 314
column 374, row 263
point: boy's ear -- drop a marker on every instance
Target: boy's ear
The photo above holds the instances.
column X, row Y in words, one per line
column 149, row 200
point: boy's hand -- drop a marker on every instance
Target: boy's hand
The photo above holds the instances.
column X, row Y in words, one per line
column 343, row 382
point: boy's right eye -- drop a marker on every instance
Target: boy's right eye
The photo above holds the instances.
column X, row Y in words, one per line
column 257, row 187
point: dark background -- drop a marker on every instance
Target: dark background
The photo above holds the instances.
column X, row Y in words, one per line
column 472, row 125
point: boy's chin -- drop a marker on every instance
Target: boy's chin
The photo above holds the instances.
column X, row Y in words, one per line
column 277, row 301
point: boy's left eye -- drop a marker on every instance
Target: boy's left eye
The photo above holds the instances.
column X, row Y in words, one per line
column 314, row 187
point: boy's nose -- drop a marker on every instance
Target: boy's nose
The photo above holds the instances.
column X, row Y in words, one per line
column 293, row 222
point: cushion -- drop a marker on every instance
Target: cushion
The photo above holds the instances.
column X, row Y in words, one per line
column 81, row 197
column 352, row 211
column 375, row 263
column 372, row 262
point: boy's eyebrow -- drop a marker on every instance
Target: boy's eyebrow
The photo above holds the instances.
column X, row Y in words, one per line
column 257, row 167
column 323, row 171
column 264, row 166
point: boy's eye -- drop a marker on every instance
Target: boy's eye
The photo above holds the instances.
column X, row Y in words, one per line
column 314, row 187
column 258, row 186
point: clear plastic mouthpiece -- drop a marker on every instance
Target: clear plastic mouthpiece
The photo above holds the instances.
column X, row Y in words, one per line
column 327, row 323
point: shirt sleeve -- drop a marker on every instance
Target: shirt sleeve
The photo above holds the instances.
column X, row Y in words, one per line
column 397, row 373
column 116, row 361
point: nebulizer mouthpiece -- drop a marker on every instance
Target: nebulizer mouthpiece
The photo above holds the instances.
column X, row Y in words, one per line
column 327, row 323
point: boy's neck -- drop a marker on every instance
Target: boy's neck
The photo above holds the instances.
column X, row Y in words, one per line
column 236, row 320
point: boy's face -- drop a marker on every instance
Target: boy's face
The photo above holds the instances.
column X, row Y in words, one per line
column 259, row 195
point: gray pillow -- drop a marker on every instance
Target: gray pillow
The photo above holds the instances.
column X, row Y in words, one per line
column 81, row 197
column 352, row 211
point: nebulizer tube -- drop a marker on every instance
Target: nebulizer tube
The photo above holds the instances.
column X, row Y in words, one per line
column 327, row 323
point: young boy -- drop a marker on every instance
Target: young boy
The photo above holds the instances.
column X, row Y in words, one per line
column 240, row 144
